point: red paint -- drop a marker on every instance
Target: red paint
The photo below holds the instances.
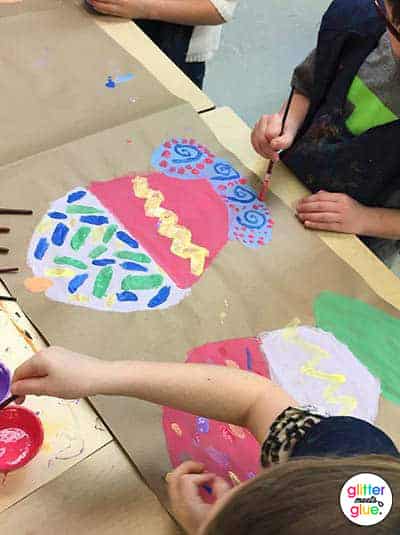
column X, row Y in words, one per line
column 166, row 154
column 181, row 171
column 168, row 145
column 238, row 446
column 209, row 160
column 21, row 437
column 198, row 207
column 164, row 163
column 243, row 180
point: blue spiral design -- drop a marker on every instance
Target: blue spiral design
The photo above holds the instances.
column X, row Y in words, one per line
column 225, row 171
column 252, row 219
column 186, row 153
column 242, row 195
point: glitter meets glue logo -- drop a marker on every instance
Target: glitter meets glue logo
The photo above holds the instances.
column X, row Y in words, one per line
column 366, row 499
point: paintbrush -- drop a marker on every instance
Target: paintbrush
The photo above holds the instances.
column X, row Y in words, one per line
column 268, row 175
column 7, row 402
column 9, row 270
column 4, row 230
column 4, row 250
column 15, row 211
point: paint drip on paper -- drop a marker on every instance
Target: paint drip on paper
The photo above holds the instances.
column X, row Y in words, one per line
column 140, row 242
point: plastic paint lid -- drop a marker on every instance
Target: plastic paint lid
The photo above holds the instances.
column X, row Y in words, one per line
column 5, row 381
column 21, row 437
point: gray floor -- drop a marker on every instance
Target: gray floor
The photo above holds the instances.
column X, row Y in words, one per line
column 260, row 48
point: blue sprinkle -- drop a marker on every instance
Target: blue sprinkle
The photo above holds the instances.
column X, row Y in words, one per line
column 132, row 266
column 77, row 282
column 57, row 215
column 94, row 219
column 103, row 262
column 41, row 248
column 123, row 78
column 127, row 296
column 160, row 298
column 249, row 359
column 208, row 489
column 59, row 234
column 75, row 196
column 124, row 237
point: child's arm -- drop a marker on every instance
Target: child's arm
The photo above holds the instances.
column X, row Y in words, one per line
column 337, row 212
column 265, row 137
column 222, row 393
column 191, row 12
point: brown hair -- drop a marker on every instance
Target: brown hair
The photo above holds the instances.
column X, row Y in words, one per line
column 395, row 10
column 301, row 497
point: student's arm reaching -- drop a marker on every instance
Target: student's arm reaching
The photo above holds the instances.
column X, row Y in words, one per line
column 222, row 393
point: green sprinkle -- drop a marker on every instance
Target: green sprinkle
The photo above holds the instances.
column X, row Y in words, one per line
column 137, row 282
column 69, row 261
column 136, row 257
column 109, row 233
column 79, row 238
column 97, row 251
column 102, row 282
column 81, row 209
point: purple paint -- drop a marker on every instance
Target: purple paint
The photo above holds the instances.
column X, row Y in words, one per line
column 5, row 382
column 203, row 425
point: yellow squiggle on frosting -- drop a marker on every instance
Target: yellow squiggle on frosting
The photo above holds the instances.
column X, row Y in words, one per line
column 181, row 236
column 348, row 403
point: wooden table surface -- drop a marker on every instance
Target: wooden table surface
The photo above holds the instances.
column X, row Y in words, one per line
column 104, row 494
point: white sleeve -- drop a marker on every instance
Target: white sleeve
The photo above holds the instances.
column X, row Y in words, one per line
column 226, row 8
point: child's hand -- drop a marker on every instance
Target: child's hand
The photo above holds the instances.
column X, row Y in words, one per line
column 335, row 212
column 266, row 138
column 128, row 9
column 183, row 487
column 57, row 372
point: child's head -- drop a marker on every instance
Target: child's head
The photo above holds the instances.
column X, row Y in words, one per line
column 301, row 496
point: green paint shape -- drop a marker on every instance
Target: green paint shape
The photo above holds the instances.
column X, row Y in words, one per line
column 81, row 209
column 369, row 110
column 97, row 251
column 138, row 282
column 109, row 233
column 136, row 257
column 69, row 261
column 102, row 282
column 372, row 335
column 79, row 238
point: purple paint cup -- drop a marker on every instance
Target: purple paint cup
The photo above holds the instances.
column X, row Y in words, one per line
column 5, row 382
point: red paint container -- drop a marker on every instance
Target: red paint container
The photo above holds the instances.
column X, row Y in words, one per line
column 21, row 437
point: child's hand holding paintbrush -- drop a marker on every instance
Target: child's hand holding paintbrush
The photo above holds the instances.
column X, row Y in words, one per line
column 275, row 133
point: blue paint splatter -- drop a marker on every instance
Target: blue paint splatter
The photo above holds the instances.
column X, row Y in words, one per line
column 132, row 266
column 160, row 298
column 123, row 78
column 110, row 82
column 77, row 282
column 202, row 425
column 59, row 234
column 57, row 215
column 41, row 248
column 249, row 359
column 127, row 296
column 103, row 262
column 125, row 238
column 94, row 219
column 75, row 196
